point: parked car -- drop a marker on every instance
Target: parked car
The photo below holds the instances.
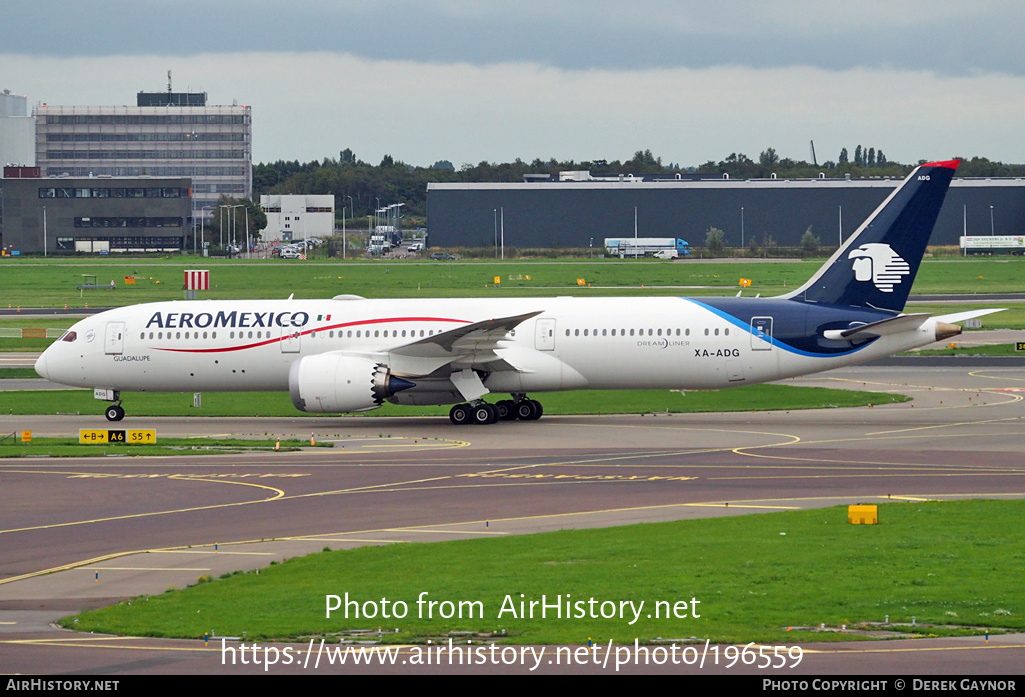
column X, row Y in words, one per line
column 288, row 253
column 442, row 256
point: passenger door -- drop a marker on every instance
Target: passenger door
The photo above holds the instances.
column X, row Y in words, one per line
column 114, row 338
column 544, row 334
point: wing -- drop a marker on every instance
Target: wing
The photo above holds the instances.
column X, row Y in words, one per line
column 469, row 346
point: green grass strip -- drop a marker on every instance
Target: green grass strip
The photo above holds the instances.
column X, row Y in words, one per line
column 11, row 446
column 943, row 564
column 748, row 398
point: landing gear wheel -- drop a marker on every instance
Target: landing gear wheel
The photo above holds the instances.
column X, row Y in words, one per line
column 528, row 410
column 538, row 410
column 484, row 414
column 115, row 412
column 460, row 414
column 506, row 410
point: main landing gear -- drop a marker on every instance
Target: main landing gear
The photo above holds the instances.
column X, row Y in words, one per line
column 505, row 410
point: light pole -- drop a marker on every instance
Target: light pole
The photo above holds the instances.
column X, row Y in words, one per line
column 742, row 227
column 202, row 226
column 990, row 220
column 220, row 228
column 502, row 238
column 496, row 232
column 231, row 228
column 44, row 230
column 352, row 213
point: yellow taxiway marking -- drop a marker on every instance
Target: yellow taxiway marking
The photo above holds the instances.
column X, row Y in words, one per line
column 980, row 374
column 953, row 425
column 451, row 532
column 895, row 387
column 278, row 493
column 861, row 463
column 141, row 568
column 369, row 540
column 80, row 643
column 740, row 505
column 211, row 551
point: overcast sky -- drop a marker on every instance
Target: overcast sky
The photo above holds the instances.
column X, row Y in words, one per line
column 472, row 80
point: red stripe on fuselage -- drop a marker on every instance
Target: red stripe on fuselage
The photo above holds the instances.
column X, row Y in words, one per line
column 278, row 339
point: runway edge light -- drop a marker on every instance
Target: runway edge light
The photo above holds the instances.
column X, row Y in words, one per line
column 863, row 514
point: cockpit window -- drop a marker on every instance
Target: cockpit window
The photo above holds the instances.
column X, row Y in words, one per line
column 69, row 336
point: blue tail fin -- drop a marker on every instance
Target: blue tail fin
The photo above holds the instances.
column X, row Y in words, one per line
column 876, row 266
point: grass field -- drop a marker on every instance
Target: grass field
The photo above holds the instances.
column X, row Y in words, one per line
column 950, row 566
column 33, row 282
column 748, row 398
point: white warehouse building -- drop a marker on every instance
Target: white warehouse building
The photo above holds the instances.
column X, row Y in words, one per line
column 294, row 217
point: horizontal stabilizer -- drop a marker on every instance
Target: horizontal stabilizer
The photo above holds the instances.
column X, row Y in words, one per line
column 967, row 314
column 892, row 325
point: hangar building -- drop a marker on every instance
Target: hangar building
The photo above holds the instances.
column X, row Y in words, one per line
column 574, row 213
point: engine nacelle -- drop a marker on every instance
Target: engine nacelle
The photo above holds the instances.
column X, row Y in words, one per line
column 331, row 384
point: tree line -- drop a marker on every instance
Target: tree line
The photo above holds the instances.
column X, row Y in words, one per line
column 360, row 188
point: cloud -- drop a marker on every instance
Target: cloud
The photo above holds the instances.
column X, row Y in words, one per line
column 308, row 105
column 951, row 38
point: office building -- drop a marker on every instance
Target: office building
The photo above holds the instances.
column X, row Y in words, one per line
column 167, row 134
column 51, row 215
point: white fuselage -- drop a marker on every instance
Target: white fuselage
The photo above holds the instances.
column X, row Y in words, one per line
column 575, row 343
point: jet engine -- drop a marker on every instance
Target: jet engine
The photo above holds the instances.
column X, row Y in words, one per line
column 330, row 384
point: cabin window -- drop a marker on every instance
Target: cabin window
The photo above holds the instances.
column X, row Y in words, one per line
column 726, row 331
column 204, row 335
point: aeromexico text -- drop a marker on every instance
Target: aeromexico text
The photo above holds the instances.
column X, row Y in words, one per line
column 233, row 319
